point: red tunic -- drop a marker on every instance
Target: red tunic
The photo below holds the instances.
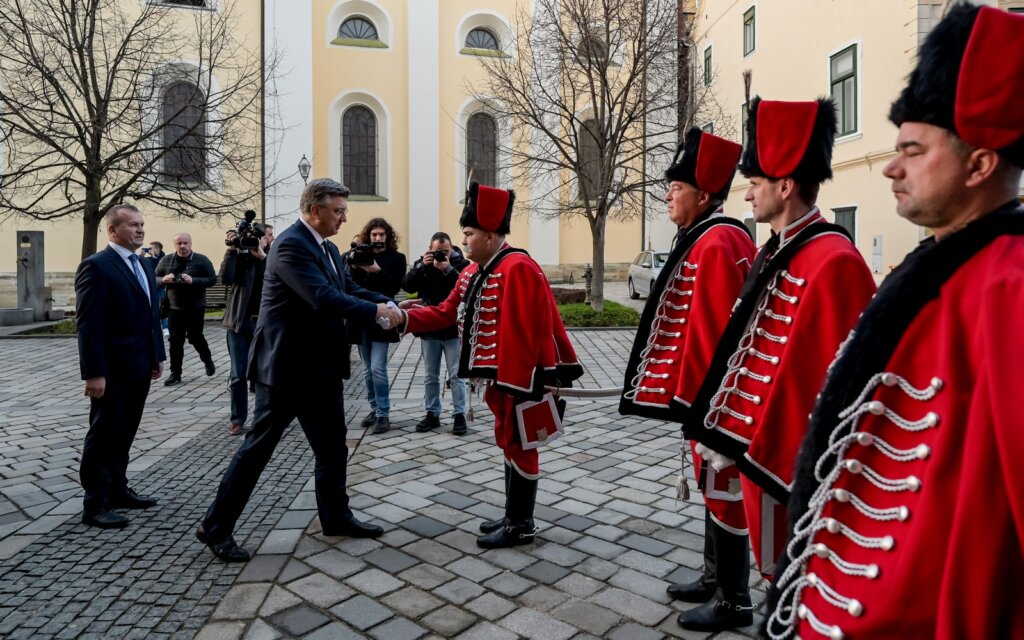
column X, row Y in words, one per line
column 773, row 377
column 918, row 532
column 515, row 338
column 686, row 313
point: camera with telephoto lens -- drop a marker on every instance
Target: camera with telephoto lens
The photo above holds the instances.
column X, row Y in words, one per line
column 362, row 253
column 250, row 233
column 440, row 255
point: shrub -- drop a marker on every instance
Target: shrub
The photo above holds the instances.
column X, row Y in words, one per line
column 583, row 315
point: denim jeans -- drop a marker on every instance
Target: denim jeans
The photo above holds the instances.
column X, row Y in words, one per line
column 375, row 374
column 432, row 350
column 238, row 350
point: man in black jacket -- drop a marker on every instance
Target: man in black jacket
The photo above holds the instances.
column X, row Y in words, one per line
column 186, row 275
column 382, row 275
column 433, row 280
column 243, row 272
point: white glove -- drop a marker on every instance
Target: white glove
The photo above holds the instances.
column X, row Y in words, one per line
column 384, row 322
column 715, row 459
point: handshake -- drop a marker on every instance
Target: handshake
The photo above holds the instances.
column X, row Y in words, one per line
column 389, row 316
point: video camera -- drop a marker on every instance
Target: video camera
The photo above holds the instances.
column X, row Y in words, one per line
column 363, row 254
column 250, row 233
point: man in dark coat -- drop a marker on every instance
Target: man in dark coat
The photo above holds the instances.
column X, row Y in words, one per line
column 186, row 275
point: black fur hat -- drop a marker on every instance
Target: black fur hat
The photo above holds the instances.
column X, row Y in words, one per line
column 791, row 145
column 706, row 162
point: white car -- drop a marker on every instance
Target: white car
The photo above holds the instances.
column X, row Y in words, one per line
column 644, row 271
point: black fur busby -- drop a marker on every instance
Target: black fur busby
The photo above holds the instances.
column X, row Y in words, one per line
column 782, row 145
column 488, row 208
column 704, row 158
column 931, row 94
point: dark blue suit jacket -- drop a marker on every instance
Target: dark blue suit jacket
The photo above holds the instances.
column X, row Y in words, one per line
column 119, row 333
column 300, row 335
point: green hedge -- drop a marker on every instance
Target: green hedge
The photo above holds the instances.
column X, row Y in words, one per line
column 583, row 315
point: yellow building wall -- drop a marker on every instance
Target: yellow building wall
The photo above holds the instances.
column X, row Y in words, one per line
column 63, row 237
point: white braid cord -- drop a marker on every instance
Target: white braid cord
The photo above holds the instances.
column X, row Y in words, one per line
column 793, row 581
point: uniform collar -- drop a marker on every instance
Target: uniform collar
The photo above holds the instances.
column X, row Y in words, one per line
column 790, row 230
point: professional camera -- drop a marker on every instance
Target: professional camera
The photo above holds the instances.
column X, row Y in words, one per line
column 440, row 255
column 362, row 254
column 250, row 233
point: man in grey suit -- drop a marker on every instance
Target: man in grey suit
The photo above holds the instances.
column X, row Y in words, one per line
column 120, row 351
column 298, row 360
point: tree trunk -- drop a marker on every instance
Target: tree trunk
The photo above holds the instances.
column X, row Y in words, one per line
column 597, row 230
column 91, row 218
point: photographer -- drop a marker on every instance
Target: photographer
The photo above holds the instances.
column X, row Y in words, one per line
column 433, row 277
column 186, row 275
column 376, row 265
column 242, row 269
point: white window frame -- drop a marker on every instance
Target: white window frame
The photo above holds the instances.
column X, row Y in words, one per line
column 374, row 103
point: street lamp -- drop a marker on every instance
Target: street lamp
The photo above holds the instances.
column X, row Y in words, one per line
column 304, row 168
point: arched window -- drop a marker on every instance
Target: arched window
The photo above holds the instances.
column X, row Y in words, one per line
column 358, row 28
column 590, row 160
column 592, row 47
column 482, row 148
column 359, row 150
column 481, row 38
column 184, row 116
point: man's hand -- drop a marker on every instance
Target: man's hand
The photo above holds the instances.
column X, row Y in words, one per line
column 231, row 236
column 411, row 304
column 168, row 279
column 428, row 258
column 187, row 279
column 260, row 252
column 158, row 371
column 95, row 387
column 392, row 313
column 369, row 268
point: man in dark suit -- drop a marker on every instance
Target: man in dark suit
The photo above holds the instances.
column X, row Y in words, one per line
column 298, row 360
column 120, row 351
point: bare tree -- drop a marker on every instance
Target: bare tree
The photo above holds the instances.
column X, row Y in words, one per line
column 103, row 101
column 588, row 93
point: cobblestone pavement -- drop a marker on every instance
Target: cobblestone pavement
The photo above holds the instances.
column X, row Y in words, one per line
column 612, row 534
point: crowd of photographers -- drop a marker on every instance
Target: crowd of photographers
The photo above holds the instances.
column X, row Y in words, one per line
column 373, row 262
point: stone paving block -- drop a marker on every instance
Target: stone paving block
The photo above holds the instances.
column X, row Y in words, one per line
column 597, row 568
column 293, row 570
column 356, row 546
column 632, row 606
column 362, row 612
column 320, row 589
column 432, row 552
column 646, row 545
column 278, row 600
column 487, row 631
column 448, row 620
column 558, row 554
column 390, row 560
column 544, row 572
column 542, row 598
column 458, row 590
column 536, row 625
column 509, row 558
column 597, row 547
column 242, row 601
column 262, row 568
column 260, row 630
column 426, row 527
column 453, row 500
column 633, row 631
column 213, row 631
column 398, row 629
column 509, row 584
column 334, row 631
column 645, row 563
column 412, row 602
column 490, row 606
column 374, row 582
column 642, row 585
column 473, row 569
column 426, row 576
column 336, row 564
column 299, row 620
column 587, row 616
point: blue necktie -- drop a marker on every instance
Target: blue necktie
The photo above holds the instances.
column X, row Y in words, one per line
column 138, row 274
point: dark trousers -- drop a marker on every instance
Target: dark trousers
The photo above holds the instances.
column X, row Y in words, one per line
column 186, row 323
column 113, row 422
column 321, row 412
column 238, row 350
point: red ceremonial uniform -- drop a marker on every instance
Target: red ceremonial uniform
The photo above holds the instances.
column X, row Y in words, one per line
column 512, row 335
column 769, row 389
column 689, row 308
column 919, row 529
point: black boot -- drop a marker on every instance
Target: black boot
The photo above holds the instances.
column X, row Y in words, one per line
column 701, row 589
column 519, row 530
column 730, row 608
column 494, row 525
column 429, row 421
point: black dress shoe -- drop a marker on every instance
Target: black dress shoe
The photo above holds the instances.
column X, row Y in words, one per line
column 493, row 525
column 228, row 550
column 210, row 369
column 459, row 427
column 368, row 420
column 105, row 520
column 718, row 615
column 509, row 535
column 382, row 424
column 131, row 500
column 352, row 528
column 430, row 421
column 172, row 380
column 697, row 591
